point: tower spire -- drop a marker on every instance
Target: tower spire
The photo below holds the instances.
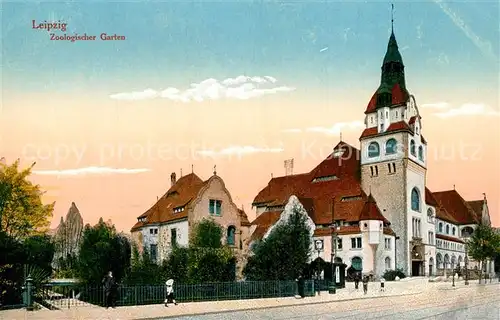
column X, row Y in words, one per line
column 392, row 17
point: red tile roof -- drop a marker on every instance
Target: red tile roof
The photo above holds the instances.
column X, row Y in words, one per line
column 394, row 127
column 399, row 96
column 456, row 207
column 178, row 196
column 243, row 218
column 442, row 236
column 477, row 207
column 371, row 211
column 340, row 189
column 263, row 222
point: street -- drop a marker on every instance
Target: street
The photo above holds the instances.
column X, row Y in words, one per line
column 475, row 302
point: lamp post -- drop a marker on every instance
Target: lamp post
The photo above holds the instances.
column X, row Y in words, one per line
column 332, row 289
column 466, row 235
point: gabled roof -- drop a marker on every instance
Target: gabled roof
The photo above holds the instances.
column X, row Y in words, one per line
column 178, row 196
column 429, row 198
column 243, row 218
column 455, row 207
column 335, row 177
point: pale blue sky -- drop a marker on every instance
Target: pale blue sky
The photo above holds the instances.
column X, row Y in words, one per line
column 178, row 43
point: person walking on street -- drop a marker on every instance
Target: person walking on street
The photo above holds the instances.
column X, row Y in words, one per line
column 382, row 284
column 356, row 280
column 109, row 283
column 365, row 284
column 170, row 292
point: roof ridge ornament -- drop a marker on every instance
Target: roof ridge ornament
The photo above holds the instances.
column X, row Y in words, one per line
column 392, row 17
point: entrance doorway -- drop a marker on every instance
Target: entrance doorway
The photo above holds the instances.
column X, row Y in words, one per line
column 416, row 267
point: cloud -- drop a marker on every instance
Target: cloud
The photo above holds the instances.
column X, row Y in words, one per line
column 468, row 109
column 89, row 171
column 241, row 87
column 239, row 150
column 324, row 49
column 437, row 105
column 337, row 128
column 484, row 46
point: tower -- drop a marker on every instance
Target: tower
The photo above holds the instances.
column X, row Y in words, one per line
column 393, row 159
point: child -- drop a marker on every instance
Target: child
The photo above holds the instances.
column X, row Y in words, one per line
column 170, row 292
column 382, row 284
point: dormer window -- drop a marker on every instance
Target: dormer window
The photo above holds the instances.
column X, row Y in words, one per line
column 178, row 209
column 325, row 178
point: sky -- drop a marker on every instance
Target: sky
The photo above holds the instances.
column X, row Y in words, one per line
column 243, row 85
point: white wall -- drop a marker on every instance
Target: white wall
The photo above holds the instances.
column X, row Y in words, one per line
column 165, row 243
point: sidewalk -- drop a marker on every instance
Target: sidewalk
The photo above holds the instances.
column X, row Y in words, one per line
column 198, row 308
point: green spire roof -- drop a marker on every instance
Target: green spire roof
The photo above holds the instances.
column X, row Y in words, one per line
column 392, row 54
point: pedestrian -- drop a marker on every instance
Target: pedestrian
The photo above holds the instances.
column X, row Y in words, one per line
column 356, row 280
column 382, row 284
column 109, row 283
column 170, row 298
column 365, row 284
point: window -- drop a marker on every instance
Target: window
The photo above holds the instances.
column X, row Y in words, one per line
column 173, row 237
column 381, row 127
column 373, row 150
column 393, row 167
column 447, row 229
column 396, row 114
column 431, row 237
column 391, row 146
column 231, row 235
column 376, row 170
column 415, row 200
column 440, row 228
column 416, row 227
column 153, row 231
column 453, row 231
column 421, row 153
column 356, row 243
column 153, row 252
column 357, row 263
column 339, row 244
column 215, row 207
column 389, row 167
column 430, row 216
column 371, row 170
column 412, row 148
column 387, row 263
column 387, row 114
column 387, row 243
column 371, row 119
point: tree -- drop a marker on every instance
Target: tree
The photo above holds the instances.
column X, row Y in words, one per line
column 176, row 265
column 22, row 212
column 102, row 250
column 284, row 254
column 143, row 270
column 206, row 234
column 483, row 245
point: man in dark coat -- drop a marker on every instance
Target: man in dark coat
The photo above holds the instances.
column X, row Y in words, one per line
column 357, row 277
column 109, row 283
column 365, row 284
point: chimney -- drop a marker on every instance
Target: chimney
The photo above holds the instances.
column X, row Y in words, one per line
column 172, row 178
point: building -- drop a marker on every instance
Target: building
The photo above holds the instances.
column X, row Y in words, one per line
column 190, row 200
column 384, row 215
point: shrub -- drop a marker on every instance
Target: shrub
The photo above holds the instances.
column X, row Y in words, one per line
column 390, row 275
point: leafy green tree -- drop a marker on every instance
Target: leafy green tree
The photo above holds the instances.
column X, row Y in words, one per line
column 206, row 234
column 176, row 265
column 102, row 250
column 143, row 270
column 22, row 212
column 284, row 254
column 483, row 245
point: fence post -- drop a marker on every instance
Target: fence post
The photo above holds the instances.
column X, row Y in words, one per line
column 29, row 293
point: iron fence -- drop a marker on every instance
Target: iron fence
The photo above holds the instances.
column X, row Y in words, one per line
column 58, row 296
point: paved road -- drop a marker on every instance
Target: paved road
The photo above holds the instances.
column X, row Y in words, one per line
column 475, row 302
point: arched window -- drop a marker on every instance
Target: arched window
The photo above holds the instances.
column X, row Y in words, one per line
column 415, row 200
column 373, row 150
column 453, row 262
column 357, row 263
column 440, row 227
column 453, row 231
column 421, row 153
column 430, row 215
column 391, row 146
column 387, row 263
column 412, row 148
column 447, row 229
column 446, row 261
column 231, row 231
column 439, row 260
